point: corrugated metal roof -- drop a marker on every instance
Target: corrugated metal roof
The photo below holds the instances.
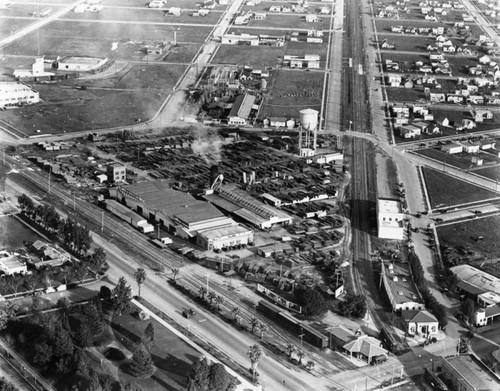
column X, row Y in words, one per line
column 242, row 106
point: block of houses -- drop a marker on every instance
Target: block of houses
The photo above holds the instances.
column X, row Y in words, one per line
column 471, row 147
column 424, row 126
column 409, row 131
column 452, row 148
column 421, row 323
column 492, row 100
column 275, row 8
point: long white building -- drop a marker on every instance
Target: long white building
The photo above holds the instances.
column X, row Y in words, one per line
column 390, row 219
column 16, row 93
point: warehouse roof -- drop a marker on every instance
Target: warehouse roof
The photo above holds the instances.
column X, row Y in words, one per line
column 401, row 284
column 242, row 106
column 389, row 206
column 469, row 371
column 476, row 281
column 219, row 233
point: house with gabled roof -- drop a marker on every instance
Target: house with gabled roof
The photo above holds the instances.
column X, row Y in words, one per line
column 420, row 322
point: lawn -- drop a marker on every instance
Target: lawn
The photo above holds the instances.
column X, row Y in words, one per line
column 407, row 95
column 489, row 172
column 292, row 91
column 171, row 355
column 445, row 190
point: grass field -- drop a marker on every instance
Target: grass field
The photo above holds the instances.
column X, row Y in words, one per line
column 9, row 26
column 400, row 94
column 171, row 356
column 103, row 104
column 461, row 235
column 489, row 172
column 255, row 56
column 292, row 91
column 445, row 190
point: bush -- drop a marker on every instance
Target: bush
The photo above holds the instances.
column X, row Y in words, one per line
column 114, row 354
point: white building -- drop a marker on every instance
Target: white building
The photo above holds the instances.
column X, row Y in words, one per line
column 390, row 219
column 16, row 93
column 399, row 286
column 37, row 70
column 10, row 264
column 216, row 239
column 81, row 64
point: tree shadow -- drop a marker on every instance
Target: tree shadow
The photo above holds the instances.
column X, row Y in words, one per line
column 177, row 369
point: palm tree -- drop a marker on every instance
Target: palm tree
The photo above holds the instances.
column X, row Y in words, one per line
column 211, row 296
column 235, row 312
column 219, row 300
column 300, row 354
column 175, row 273
column 202, row 291
column 263, row 328
column 254, row 322
column 140, row 277
column 290, row 350
column 255, row 352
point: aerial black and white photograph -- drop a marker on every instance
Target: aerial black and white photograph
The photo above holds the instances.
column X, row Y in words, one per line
column 249, row 195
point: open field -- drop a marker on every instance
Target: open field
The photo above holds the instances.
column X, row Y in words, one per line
column 445, row 190
column 489, row 172
column 70, row 38
column 171, row 356
column 255, row 56
column 292, row 91
column 9, row 26
column 103, row 104
column 460, row 238
column 27, row 10
column 401, row 94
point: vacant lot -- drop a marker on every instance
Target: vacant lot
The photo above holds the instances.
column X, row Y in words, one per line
column 292, row 91
column 133, row 96
column 254, row 56
column 462, row 238
column 9, row 26
column 445, row 190
column 489, row 172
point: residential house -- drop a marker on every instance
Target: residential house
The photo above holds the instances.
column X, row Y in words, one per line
column 260, row 15
column 420, row 323
column 437, row 97
column 471, row 147
column 400, row 119
column 408, row 84
column 492, row 100
column 476, row 99
column 455, row 98
column 311, row 18
column 424, row 126
column 394, row 80
column 401, row 109
column 485, row 60
column 277, row 122
column 409, row 131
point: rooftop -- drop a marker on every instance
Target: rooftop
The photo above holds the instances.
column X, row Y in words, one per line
column 418, row 316
column 6, row 87
column 469, row 371
column 389, row 206
column 475, row 278
column 214, row 234
column 10, row 262
column 400, row 283
column 82, row 60
column 242, row 106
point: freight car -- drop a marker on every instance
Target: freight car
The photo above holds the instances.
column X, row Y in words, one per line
column 314, row 337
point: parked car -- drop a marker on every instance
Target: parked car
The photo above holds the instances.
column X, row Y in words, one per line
column 186, row 314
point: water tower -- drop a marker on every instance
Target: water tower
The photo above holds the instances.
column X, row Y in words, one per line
column 308, row 123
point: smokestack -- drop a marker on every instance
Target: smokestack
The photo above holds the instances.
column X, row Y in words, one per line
column 253, row 176
column 214, row 173
column 244, row 177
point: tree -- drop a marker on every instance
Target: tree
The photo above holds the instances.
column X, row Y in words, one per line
column 353, row 306
column 235, row 312
column 202, row 292
column 291, row 349
column 211, row 296
column 63, row 345
column 300, row 355
column 142, row 363
column 83, row 336
column 175, row 273
column 122, row 294
column 468, row 309
column 31, row 281
column 94, row 384
column 26, row 203
column 219, row 300
column 254, row 322
column 98, row 260
column 219, row 379
column 93, row 319
column 254, row 353
column 140, row 277
column 199, row 375
column 7, row 313
column 43, row 354
column 312, row 301
column 149, row 334
column 263, row 328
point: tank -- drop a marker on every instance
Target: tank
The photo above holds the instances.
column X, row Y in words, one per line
column 309, row 119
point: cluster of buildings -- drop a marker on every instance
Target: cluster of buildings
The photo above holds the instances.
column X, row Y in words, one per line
column 310, row 61
column 253, row 40
column 472, row 147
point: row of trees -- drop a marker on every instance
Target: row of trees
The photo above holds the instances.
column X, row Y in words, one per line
column 436, row 308
column 207, row 376
column 75, row 236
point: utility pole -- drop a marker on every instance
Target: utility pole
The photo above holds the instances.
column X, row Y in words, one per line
column 207, row 283
column 301, row 336
column 102, row 221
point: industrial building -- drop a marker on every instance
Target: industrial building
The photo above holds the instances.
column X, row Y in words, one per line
column 116, row 172
column 482, row 287
column 240, row 111
column 37, row 70
column 466, row 373
column 182, row 215
column 244, row 206
column 81, row 64
column 390, row 219
column 16, row 93
column 399, row 286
